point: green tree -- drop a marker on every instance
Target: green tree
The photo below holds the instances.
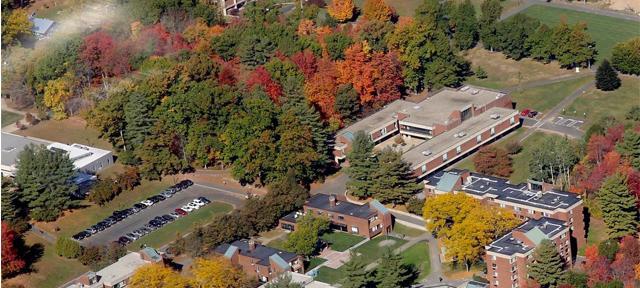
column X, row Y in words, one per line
column 226, row 43
column 347, row 102
column 608, row 248
column 540, row 44
column 633, row 114
column 618, row 206
column 491, row 11
column 15, row 24
column 255, row 48
column 393, row 180
column 626, row 56
column 480, row 73
column 607, row 78
column 577, row 279
column 547, row 267
column 466, row 26
column 573, row 46
column 304, row 240
column 392, row 272
column 375, row 33
column 104, row 191
column 513, row 34
column 137, row 115
column 283, row 281
column 611, row 284
column 362, row 166
column 552, row 160
column 46, row 183
column 629, row 147
column 296, row 147
column 356, row 274
column 336, row 44
column 13, row 211
column 68, row 248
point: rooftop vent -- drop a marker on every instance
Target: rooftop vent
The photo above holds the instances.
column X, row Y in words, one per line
column 426, row 152
column 494, row 116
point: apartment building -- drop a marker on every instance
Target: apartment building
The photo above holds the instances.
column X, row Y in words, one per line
column 507, row 258
column 533, row 199
column 117, row 275
column 442, row 128
column 260, row 261
column 367, row 220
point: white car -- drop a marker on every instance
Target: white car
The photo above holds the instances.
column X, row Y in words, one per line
column 147, row 202
column 194, row 206
column 187, row 208
column 198, row 202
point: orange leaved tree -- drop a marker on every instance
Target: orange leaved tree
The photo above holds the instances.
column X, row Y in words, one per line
column 341, row 10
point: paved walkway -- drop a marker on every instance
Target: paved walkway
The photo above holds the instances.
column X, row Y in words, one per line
column 43, row 234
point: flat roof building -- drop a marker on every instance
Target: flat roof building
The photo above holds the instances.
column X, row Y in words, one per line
column 85, row 159
column 41, row 26
column 444, row 127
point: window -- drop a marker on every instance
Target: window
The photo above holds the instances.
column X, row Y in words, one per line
column 530, row 211
column 493, row 131
column 340, row 218
column 512, row 121
column 423, row 168
column 444, row 157
column 562, row 236
column 545, row 214
column 354, row 230
column 517, row 209
column 479, row 138
column 458, row 149
column 383, row 131
column 502, row 205
column 512, row 260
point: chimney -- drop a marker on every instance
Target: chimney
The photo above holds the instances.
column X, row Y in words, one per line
column 332, row 200
column 252, row 245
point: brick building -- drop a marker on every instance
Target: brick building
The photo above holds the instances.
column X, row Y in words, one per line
column 507, row 258
column 367, row 220
column 260, row 261
column 443, row 127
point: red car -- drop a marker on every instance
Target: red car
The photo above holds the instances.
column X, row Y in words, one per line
column 525, row 112
column 180, row 212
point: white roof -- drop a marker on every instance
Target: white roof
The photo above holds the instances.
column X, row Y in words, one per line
column 121, row 270
column 81, row 155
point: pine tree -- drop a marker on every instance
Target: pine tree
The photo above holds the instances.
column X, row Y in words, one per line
column 618, row 206
column 356, row 275
column 139, row 122
column 466, row 34
column 547, row 267
column 347, row 102
column 362, row 165
column 607, row 78
column 392, row 272
column 630, row 147
column 46, row 182
column 12, row 209
column 393, row 180
column 491, row 10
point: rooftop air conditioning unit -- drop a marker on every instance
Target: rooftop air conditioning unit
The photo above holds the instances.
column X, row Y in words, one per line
column 494, row 116
column 426, row 152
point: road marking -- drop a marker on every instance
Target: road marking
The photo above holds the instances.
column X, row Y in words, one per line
column 236, row 194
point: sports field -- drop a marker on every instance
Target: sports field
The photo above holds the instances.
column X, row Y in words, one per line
column 606, row 31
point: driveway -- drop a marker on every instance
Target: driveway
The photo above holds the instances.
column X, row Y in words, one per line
column 135, row 221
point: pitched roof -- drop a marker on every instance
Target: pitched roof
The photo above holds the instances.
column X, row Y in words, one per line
column 279, row 261
column 41, row 25
column 447, row 182
column 536, row 235
column 260, row 252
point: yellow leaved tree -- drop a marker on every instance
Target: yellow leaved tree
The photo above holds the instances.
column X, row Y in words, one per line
column 157, row 276
column 377, row 10
column 17, row 23
column 341, row 10
column 218, row 272
column 443, row 211
column 56, row 93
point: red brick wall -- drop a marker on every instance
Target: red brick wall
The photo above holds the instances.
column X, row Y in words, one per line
column 391, row 128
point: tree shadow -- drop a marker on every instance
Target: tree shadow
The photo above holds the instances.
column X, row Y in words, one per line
column 32, row 255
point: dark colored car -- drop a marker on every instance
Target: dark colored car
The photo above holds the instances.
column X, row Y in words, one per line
column 140, row 206
column 168, row 218
column 532, row 114
column 204, row 200
column 81, row 235
column 160, row 219
column 181, row 212
column 124, row 240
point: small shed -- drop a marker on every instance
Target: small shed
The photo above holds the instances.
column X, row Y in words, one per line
column 41, row 26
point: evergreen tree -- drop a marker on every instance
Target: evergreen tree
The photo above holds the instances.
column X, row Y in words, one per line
column 255, row 48
column 540, row 44
column 362, row 165
column 629, row 147
column 547, row 267
column 607, row 78
column 347, row 102
column 466, row 30
column 392, row 272
column 618, row 206
column 356, row 275
column 393, row 180
column 513, row 33
column 491, row 11
column 283, row 281
column 336, row 44
column 12, row 209
column 296, row 147
column 46, row 183
column 137, row 115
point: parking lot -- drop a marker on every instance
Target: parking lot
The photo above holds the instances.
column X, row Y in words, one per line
column 167, row 206
column 567, row 122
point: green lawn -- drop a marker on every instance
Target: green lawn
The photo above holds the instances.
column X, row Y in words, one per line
column 314, row 262
column 341, row 241
column 407, row 231
column 9, row 118
column 72, row 130
column 329, row 275
column 605, row 31
column 544, row 98
column 183, row 226
column 418, row 256
column 595, row 103
column 278, row 243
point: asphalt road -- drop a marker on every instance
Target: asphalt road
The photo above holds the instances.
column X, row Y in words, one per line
column 135, row 221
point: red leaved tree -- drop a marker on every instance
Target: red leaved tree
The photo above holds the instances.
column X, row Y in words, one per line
column 306, row 62
column 493, row 161
column 95, row 51
column 12, row 262
column 321, row 89
column 261, row 77
column 627, row 258
column 597, row 266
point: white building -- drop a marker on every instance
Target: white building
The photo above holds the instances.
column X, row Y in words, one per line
column 86, row 159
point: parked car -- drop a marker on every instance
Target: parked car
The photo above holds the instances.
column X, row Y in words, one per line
column 187, row 208
column 135, row 209
column 525, row 112
column 197, row 202
column 124, row 240
column 168, row 218
column 147, row 202
column 81, row 235
column 532, row 114
column 204, row 200
column 180, row 212
column 167, row 194
column 193, row 206
column 175, row 215
column 139, row 206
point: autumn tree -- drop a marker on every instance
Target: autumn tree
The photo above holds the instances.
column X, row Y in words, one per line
column 547, row 267
column 12, row 260
column 56, row 94
column 157, row 276
column 362, row 166
column 627, row 258
column 321, row 88
column 306, row 62
column 377, row 10
column 218, row 272
column 341, row 10
column 553, row 160
column 493, row 161
column 95, row 52
column 597, row 266
column 15, row 24
column 393, row 180
column 574, row 47
column 626, row 56
column 618, row 206
column 260, row 77
column 442, row 211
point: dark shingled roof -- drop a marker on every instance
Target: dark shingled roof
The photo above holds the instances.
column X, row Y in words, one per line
column 501, row 189
column 321, row 201
column 261, row 252
column 508, row 245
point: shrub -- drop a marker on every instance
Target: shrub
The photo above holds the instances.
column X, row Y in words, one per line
column 31, row 119
column 480, row 73
column 634, row 113
column 128, row 179
column 91, row 256
column 514, row 147
column 415, row 205
column 493, row 161
column 104, row 191
column 68, row 248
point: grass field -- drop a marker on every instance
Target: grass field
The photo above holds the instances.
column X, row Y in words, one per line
column 340, row 241
column 407, row 231
column 597, row 233
column 595, row 103
column 183, row 226
column 605, row 31
column 503, row 72
column 544, row 98
column 76, row 220
column 314, row 262
column 418, row 257
column 68, row 131
column 408, row 7
column 9, row 118
column 51, row 270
